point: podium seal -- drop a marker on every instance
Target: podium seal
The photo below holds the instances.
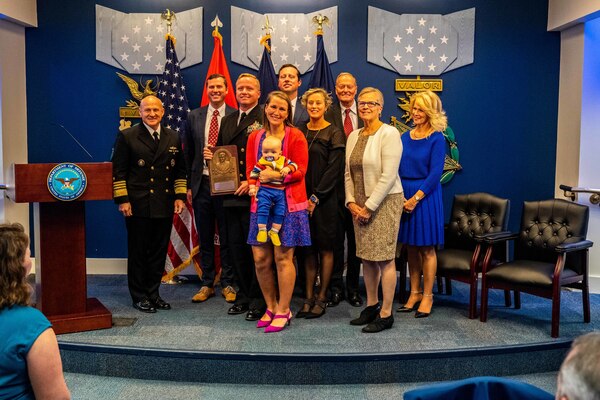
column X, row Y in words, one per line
column 67, row 182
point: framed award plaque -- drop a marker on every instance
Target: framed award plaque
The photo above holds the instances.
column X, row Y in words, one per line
column 223, row 170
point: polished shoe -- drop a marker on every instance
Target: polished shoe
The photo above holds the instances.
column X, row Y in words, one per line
column 308, row 304
column 254, row 314
column 229, row 293
column 160, row 304
column 379, row 324
column 203, row 294
column 237, row 309
column 336, row 297
column 145, row 306
column 367, row 315
column 355, row 300
column 272, row 328
column 406, row 309
column 265, row 323
column 421, row 314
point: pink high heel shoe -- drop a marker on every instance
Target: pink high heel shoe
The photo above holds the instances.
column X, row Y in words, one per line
column 264, row 324
column 272, row 328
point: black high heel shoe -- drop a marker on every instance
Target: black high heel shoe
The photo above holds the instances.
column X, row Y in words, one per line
column 421, row 314
column 317, row 310
column 405, row 309
column 307, row 302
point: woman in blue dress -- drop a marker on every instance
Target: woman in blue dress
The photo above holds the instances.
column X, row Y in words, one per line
column 422, row 224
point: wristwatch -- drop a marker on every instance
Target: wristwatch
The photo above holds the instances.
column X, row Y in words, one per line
column 314, row 199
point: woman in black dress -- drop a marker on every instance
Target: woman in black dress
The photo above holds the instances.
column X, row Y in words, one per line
column 326, row 147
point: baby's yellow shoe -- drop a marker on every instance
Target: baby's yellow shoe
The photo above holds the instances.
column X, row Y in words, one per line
column 261, row 237
column 274, row 238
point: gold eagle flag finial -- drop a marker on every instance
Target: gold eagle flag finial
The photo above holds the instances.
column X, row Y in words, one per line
column 267, row 28
column 319, row 20
column 169, row 16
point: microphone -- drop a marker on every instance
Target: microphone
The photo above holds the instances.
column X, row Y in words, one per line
column 76, row 141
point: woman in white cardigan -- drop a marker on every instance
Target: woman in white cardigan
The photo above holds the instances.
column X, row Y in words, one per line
column 375, row 200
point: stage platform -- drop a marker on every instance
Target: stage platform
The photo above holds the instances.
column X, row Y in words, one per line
column 201, row 343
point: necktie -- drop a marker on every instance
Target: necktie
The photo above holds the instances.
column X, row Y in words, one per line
column 242, row 116
column 347, row 122
column 155, row 136
column 213, row 130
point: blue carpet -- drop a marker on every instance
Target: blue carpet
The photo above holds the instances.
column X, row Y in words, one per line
column 200, row 343
column 207, row 327
column 91, row 387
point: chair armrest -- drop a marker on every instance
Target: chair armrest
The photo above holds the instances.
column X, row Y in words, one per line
column 496, row 237
column 569, row 247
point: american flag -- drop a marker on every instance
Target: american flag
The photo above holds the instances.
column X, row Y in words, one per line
column 172, row 91
column 421, row 44
column 183, row 245
column 292, row 38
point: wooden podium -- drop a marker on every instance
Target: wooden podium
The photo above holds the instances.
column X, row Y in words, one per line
column 61, row 281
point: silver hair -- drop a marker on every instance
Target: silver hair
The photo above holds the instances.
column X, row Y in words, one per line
column 579, row 375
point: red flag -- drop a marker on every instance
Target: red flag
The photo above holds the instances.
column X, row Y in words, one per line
column 218, row 65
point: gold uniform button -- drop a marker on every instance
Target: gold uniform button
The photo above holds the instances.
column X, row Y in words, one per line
column 167, row 190
column 241, row 163
column 151, row 179
column 242, row 149
column 241, row 176
column 152, row 167
column 167, row 167
column 151, row 190
column 167, row 179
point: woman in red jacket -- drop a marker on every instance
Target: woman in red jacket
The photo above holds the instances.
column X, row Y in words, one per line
column 295, row 229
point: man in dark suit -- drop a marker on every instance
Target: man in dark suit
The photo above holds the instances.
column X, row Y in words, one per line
column 149, row 184
column 235, row 129
column 202, row 130
column 343, row 114
column 289, row 82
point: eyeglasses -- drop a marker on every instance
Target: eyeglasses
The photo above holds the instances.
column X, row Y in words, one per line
column 370, row 104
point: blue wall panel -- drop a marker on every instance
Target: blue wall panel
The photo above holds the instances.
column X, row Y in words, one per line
column 503, row 107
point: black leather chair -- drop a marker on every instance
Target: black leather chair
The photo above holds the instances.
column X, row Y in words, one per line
column 550, row 252
column 472, row 215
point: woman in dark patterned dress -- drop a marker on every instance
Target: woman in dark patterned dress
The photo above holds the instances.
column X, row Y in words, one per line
column 326, row 144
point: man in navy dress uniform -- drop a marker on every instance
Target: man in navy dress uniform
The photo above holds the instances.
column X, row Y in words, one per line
column 149, row 185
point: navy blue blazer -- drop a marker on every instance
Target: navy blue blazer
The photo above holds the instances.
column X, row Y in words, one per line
column 301, row 115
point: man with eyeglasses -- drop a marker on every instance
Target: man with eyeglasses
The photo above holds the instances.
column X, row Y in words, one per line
column 344, row 115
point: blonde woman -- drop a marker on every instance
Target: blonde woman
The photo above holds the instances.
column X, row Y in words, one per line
column 374, row 198
column 422, row 225
column 326, row 144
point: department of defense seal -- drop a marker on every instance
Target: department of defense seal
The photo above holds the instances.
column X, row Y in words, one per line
column 67, row 182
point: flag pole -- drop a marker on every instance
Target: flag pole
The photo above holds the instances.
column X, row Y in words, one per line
column 172, row 278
